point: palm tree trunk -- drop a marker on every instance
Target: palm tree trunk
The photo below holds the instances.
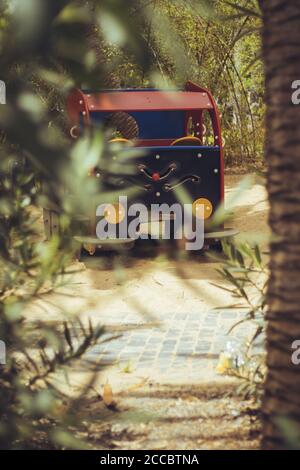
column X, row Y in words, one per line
column 281, row 47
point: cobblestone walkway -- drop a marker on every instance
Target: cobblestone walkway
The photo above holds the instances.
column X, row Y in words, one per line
column 186, row 347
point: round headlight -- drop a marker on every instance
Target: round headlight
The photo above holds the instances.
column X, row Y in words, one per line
column 202, row 208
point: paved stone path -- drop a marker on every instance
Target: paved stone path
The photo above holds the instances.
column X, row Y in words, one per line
column 185, row 348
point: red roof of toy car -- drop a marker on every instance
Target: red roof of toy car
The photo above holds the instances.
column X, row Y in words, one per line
column 192, row 98
column 147, row 101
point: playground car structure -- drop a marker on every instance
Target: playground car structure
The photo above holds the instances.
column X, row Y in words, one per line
column 179, row 134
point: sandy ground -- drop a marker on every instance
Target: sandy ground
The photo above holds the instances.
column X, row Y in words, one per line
column 146, row 291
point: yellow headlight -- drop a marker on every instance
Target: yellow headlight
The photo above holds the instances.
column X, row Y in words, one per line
column 114, row 213
column 202, row 208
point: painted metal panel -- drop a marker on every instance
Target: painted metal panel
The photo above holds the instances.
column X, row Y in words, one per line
column 153, row 100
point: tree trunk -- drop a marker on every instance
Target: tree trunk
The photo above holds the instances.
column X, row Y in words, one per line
column 281, row 47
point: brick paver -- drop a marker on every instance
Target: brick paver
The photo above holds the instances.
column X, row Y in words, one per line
column 185, row 347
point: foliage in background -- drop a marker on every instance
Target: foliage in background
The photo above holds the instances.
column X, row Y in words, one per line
column 164, row 44
column 215, row 44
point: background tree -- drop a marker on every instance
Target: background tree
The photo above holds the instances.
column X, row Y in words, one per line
column 281, row 47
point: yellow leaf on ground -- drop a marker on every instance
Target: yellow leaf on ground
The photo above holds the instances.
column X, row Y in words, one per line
column 223, row 365
column 108, row 397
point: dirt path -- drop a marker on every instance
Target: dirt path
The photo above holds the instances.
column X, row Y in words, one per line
column 174, row 418
column 172, row 340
